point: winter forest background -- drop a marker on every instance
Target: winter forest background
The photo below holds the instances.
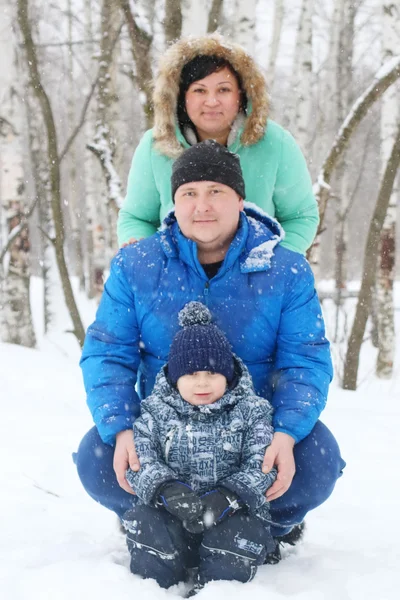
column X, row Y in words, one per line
column 75, row 98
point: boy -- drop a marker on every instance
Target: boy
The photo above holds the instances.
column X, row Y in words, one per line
column 200, row 439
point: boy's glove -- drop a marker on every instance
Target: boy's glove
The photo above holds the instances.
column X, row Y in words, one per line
column 218, row 505
column 181, row 501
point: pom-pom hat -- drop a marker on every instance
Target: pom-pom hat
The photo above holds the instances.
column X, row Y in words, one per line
column 199, row 346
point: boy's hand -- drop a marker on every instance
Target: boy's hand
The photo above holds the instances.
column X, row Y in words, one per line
column 124, row 457
column 219, row 504
column 280, row 455
column 181, row 501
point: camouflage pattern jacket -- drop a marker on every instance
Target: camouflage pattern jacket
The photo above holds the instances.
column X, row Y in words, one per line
column 204, row 446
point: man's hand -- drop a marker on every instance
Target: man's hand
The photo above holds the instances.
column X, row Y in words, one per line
column 280, row 455
column 125, row 456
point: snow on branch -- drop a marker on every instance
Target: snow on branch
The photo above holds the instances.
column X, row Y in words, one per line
column 102, row 149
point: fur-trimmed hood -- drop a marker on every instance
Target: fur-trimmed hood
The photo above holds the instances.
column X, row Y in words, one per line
column 166, row 89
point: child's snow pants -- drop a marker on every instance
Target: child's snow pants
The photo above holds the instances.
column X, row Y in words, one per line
column 163, row 550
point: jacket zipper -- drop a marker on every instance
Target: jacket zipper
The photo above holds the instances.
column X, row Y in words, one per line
column 206, row 290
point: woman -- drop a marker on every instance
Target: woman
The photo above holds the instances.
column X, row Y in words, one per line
column 210, row 89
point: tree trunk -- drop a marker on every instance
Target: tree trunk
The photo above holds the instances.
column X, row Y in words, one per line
column 194, row 17
column 344, row 80
column 16, row 324
column 40, row 175
column 275, row 42
column 387, row 260
column 215, row 15
column 74, row 206
column 54, row 165
column 172, row 20
column 141, row 42
column 245, row 24
column 369, row 269
column 384, row 78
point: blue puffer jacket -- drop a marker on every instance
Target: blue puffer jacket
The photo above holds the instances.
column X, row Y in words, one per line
column 262, row 297
column 222, row 443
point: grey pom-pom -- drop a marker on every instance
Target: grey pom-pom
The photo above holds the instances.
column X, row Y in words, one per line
column 194, row 313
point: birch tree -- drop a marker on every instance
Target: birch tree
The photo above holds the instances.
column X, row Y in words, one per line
column 245, row 24
column 275, row 42
column 388, row 74
column 387, row 255
column 75, row 210
column 194, row 17
column 369, row 268
column 53, row 159
column 343, row 177
column 16, row 325
column 301, row 85
column 102, row 217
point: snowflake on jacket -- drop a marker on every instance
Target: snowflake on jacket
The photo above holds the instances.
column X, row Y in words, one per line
column 221, row 443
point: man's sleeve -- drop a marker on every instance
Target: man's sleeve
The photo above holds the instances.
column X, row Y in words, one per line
column 295, row 205
column 111, row 357
column 139, row 216
column 250, row 483
column 303, row 366
column 153, row 470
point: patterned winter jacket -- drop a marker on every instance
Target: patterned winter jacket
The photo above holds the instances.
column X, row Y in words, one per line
column 263, row 299
column 222, row 443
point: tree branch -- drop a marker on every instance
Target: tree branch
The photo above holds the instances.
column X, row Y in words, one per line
column 14, row 233
column 87, row 102
column 384, row 78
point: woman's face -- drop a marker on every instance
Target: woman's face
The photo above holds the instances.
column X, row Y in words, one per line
column 213, row 103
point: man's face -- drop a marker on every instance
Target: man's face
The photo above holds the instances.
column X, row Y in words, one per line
column 208, row 213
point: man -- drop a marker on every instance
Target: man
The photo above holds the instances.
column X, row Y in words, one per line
column 215, row 250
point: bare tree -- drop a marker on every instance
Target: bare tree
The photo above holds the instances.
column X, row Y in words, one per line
column 369, row 268
column 384, row 78
column 53, row 162
column 387, row 260
column 301, row 85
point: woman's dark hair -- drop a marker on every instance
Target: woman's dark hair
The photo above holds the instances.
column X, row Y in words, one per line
column 199, row 67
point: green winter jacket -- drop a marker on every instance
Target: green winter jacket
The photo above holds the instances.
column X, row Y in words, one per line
column 275, row 172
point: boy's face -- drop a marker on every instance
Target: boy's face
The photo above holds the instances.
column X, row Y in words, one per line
column 202, row 387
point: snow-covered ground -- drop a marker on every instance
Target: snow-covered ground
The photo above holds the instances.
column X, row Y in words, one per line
column 56, row 543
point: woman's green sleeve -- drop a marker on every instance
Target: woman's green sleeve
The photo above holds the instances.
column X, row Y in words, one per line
column 139, row 216
column 295, row 205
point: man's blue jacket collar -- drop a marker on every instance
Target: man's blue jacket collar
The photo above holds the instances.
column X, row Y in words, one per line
column 253, row 244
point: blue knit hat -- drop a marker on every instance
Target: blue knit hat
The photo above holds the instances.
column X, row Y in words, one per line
column 199, row 346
